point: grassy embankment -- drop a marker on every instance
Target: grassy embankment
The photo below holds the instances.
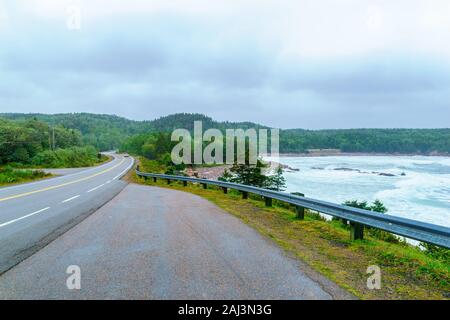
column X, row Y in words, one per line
column 10, row 175
column 76, row 157
column 407, row 272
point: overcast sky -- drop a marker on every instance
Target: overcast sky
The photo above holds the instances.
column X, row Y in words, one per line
column 297, row 63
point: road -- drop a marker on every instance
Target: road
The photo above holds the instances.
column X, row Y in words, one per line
column 155, row 243
column 33, row 214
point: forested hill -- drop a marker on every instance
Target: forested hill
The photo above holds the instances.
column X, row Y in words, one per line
column 186, row 121
column 407, row 141
column 107, row 132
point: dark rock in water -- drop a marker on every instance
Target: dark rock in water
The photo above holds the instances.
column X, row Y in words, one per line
column 291, row 169
column 286, row 167
column 346, row 169
column 403, row 174
column 386, row 174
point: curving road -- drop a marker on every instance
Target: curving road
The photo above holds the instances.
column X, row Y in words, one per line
column 153, row 243
column 33, row 214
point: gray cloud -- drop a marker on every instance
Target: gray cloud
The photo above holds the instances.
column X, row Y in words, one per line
column 143, row 66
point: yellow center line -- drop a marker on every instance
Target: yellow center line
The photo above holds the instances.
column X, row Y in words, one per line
column 60, row 185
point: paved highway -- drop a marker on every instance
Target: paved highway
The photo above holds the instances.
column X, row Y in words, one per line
column 154, row 243
column 33, row 214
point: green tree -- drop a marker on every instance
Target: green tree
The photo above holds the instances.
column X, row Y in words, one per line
column 226, row 176
column 378, row 206
column 251, row 175
column 277, row 181
column 21, row 155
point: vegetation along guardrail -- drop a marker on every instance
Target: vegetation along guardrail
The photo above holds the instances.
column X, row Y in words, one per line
column 358, row 218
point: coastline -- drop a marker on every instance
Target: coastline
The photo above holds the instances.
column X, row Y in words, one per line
column 215, row 172
column 360, row 154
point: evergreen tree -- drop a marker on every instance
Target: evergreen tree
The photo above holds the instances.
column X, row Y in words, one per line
column 226, row 176
column 378, row 206
column 277, row 181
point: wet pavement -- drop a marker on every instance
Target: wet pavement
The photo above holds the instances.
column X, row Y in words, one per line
column 156, row 243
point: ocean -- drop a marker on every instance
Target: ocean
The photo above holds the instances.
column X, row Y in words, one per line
column 415, row 187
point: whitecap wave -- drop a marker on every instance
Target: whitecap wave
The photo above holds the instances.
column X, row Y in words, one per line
column 423, row 193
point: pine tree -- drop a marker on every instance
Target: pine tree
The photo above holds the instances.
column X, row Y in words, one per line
column 277, row 181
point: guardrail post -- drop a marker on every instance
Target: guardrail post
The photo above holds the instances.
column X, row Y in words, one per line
column 205, row 186
column 168, row 181
column 184, row 183
column 154, row 179
column 299, row 212
column 244, row 195
column 356, row 231
column 268, row 201
column 225, row 190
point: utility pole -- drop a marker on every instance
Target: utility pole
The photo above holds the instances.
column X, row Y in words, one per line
column 53, row 138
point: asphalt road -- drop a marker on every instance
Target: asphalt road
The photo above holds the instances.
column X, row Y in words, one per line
column 33, row 214
column 154, row 243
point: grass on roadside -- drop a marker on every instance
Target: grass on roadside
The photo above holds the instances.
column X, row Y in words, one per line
column 407, row 272
column 16, row 173
column 10, row 176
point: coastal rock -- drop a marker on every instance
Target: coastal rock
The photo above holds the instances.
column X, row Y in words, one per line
column 346, row 169
column 386, row 174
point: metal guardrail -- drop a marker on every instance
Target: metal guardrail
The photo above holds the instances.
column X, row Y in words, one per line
column 358, row 218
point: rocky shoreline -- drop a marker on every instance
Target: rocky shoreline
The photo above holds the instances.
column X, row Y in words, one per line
column 361, row 154
column 385, row 174
column 212, row 173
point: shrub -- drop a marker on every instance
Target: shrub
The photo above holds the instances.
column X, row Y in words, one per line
column 70, row 157
column 9, row 175
column 377, row 206
column 436, row 252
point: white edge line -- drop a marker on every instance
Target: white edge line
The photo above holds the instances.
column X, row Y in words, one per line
column 93, row 189
column 124, row 171
column 26, row 216
column 70, row 199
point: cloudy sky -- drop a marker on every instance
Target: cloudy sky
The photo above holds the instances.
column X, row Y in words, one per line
column 297, row 63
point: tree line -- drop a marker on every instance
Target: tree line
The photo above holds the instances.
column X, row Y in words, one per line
column 107, row 132
column 412, row 141
column 36, row 143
